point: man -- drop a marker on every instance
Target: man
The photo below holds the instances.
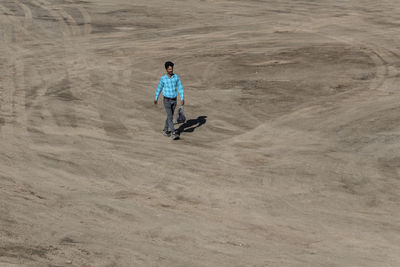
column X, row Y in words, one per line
column 170, row 84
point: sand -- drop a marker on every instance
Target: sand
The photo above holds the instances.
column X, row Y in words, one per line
column 290, row 157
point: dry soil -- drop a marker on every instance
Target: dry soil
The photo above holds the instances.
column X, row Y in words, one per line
column 290, row 156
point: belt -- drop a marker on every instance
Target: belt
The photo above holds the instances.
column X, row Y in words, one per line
column 168, row 98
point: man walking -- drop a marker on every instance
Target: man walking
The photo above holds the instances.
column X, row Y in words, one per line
column 170, row 85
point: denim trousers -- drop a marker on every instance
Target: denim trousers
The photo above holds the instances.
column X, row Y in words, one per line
column 170, row 105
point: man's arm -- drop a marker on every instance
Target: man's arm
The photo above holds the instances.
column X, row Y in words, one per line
column 180, row 91
column 158, row 91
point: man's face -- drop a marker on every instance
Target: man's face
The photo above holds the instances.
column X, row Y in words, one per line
column 170, row 70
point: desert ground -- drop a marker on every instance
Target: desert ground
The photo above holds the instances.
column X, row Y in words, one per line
column 290, row 155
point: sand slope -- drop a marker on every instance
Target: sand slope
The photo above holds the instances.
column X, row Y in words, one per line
column 290, row 157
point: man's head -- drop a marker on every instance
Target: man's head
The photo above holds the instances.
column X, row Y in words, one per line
column 169, row 67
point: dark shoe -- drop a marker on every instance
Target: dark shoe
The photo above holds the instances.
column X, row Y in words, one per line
column 175, row 136
column 166, row 133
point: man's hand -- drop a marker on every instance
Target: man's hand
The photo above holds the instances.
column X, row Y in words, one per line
column 183, row 102
column 155, row 102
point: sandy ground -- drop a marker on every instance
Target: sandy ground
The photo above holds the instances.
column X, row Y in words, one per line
column 290, row 157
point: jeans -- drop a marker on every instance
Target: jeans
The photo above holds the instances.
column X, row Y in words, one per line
column 170, row 105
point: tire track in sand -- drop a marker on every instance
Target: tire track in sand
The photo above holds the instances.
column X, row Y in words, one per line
column 28, row 18
column 68, row 28
column 66, row 21
column 14, row 102
column 381, row 56
column 20, row 96
column 87, row 20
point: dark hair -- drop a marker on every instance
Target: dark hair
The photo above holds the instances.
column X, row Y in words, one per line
column 168, row 64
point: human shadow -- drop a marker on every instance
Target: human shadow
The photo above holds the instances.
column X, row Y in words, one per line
column 190, row 125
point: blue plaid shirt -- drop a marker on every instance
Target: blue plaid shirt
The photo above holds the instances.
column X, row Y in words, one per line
column 170, row 87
